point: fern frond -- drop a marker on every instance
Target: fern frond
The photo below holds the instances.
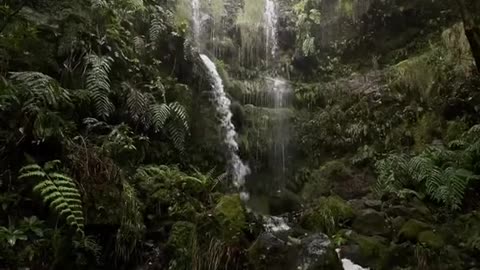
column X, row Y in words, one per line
column 177, row 134
column 137, row 103
column 158, row 115
column 157, row 26
column 98, row 83
column 57, row 190
column 41, row 89
column 179, row 112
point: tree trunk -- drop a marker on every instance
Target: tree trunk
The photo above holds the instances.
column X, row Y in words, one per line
column 470, row 10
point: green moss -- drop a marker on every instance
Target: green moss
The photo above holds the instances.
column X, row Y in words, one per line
column 427, row 128
column 431, row 239
column 316, row 186
column 230, row 213
column 412, row 229
column 328, row 215
column 370, row 247
column 335, row 169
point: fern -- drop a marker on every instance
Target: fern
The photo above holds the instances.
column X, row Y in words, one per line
column 158, row 115
column 98, row 83
column 58, row 190
column 137, row 103
column 435, row 172
column 40, row 90
column 156, row 28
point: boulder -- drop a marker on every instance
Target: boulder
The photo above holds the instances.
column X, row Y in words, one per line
column 318, row 253
column 431, row 239
column 371, row 222
column 412, row 229
column 273, row 251
column 365, row 250
column 374, row 204
column 269, row 251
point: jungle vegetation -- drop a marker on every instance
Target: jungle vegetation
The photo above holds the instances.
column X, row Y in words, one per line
column 111, row 155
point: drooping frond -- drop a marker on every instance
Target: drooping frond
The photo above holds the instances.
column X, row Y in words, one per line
column 179, row 112
column 137, row 103
column 158, row 115
column 59, row 191
column 98, row 83
column 177, row 133
column 41, row 90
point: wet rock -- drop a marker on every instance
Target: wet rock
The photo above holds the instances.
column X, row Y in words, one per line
column 374, row 204
column 371, row 222
column 318, row 253
column 365, row 250
column 272, row 251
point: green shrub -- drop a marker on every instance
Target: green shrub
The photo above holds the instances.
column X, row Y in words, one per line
column 231, row 216
column 328, row 215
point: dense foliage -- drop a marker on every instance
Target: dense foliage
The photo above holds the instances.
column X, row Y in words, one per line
column 112, row 156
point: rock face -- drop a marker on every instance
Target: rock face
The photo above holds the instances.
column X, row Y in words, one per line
column 279, row 251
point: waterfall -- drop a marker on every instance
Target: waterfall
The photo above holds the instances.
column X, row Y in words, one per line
column 222, row 105
column 271, row 18
column 279, row 90
column 197, row 21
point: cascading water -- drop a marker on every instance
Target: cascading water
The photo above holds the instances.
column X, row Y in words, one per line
column 222, row 105
column 280, row 91
column 271, row 19
column 196, row 18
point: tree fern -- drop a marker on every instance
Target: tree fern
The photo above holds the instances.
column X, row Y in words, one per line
column 98, row 83
column 58, row 190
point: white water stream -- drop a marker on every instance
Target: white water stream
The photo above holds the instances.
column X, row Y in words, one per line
column 222, row 105
column 271, row 19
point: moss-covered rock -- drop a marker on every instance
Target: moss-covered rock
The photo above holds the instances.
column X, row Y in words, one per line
column 327, row 215
column 271, row 252
column 412, row 229
column 335, row 169
column 371, row 222
column 365, row 250
column 431, row 239
column 230, row 214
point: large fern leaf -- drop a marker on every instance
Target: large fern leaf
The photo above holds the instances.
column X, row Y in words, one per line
column 98, row 83
column 57, row 190
column 41, row 90
column 137, row 104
